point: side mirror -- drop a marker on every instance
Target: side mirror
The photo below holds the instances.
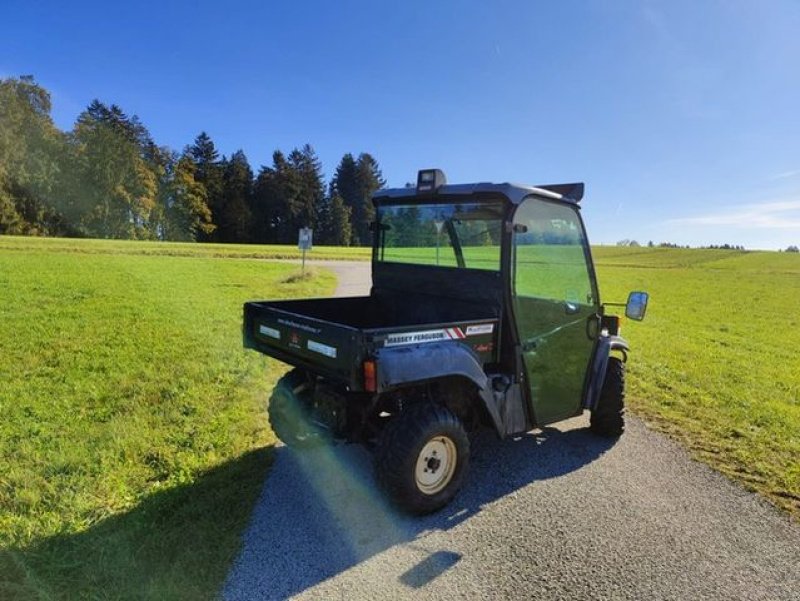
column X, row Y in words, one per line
column 636, row 306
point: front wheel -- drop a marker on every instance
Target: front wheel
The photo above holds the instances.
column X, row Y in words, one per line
column 608, row 417
column 422, row 458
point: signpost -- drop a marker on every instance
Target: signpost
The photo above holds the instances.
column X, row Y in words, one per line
column 304, row 237
column 439, row 223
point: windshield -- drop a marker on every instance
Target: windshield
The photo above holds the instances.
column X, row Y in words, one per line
column 463, row 235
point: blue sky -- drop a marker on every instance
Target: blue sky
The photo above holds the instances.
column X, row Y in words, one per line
column 683, row 118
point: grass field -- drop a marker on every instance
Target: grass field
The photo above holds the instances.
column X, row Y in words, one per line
column 179, row 249
column 133, row 441
column 716, row 363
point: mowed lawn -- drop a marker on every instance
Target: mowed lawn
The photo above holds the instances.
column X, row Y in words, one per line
column 133, row 440
column 716, row 363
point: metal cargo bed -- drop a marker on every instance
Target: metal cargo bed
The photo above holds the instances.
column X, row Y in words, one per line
column 333, row 336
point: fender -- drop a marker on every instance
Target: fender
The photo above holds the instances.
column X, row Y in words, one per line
column 401, row 366
column 597, row 375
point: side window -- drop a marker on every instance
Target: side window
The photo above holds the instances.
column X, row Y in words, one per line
column 549, row 251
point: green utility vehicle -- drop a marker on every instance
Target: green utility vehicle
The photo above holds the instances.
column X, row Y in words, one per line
column 484, row 312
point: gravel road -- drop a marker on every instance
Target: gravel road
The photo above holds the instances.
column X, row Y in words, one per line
column 557, row 514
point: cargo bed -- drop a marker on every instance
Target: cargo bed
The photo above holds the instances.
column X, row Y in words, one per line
column 333, row 336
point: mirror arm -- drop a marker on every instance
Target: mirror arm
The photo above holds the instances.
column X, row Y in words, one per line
column 604, row 305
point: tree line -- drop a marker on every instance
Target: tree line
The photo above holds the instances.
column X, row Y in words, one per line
column 651, row 244
column 107, row 178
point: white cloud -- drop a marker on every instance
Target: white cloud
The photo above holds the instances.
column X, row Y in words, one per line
column 785, row 175
column 776, row 215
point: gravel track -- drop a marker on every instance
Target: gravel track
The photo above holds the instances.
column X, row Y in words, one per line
column 556, row 514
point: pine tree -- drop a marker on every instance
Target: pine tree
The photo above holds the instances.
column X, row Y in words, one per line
column 204, row 155
column 370, row 180
column 262, row 208
column 233, row 209
column 277, row 201
column 356, row 181
column 185, row 207
column 288, row 196
column 117, row 180
column 323, row 234
column 344, row 184
column 311, row 192
column 209, row 173
column 341, row 222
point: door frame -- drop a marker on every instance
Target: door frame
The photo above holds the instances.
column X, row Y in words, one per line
column 508, row 261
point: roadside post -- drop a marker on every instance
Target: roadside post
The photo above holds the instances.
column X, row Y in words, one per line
column 439, row 223
column 305, row 234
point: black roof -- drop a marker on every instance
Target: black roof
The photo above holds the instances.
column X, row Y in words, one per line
column 515, row 193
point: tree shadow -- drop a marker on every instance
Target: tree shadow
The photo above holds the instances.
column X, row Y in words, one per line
column 321, row 514
column 175, row 544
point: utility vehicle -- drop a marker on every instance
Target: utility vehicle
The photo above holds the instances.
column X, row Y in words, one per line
column 484, row 312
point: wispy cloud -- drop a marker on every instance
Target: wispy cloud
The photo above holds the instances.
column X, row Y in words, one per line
column 785, row 175
column 777, row 215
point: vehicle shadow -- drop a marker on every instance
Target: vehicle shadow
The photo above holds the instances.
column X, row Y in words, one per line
column 320, row 512
column 177, row 543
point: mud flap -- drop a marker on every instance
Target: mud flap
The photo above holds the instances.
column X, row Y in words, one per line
column 512, row 410
column 597, row 376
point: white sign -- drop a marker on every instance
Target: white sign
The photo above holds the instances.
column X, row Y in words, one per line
column 271, row 332
column 485, row 328
column 304, row 238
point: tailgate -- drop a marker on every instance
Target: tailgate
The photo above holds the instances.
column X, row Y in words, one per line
column 320, row 346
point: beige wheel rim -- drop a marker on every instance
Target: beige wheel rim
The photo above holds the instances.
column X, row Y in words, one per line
column 436, row 465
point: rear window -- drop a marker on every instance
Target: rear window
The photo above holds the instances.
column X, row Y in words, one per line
column 459, row 235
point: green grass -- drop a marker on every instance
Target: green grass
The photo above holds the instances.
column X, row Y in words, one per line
column 181, row 249
column 716, row 363
column 133, row 441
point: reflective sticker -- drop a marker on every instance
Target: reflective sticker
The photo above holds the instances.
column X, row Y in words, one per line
column 437, row 335
column 271, row 332
column 484, row 328
column 322, row 349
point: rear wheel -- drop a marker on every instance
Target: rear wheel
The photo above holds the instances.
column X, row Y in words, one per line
column 289, row 411
column 608, row 417
column 422, row 458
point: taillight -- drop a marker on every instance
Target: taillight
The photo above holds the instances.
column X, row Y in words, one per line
column 370, row 379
